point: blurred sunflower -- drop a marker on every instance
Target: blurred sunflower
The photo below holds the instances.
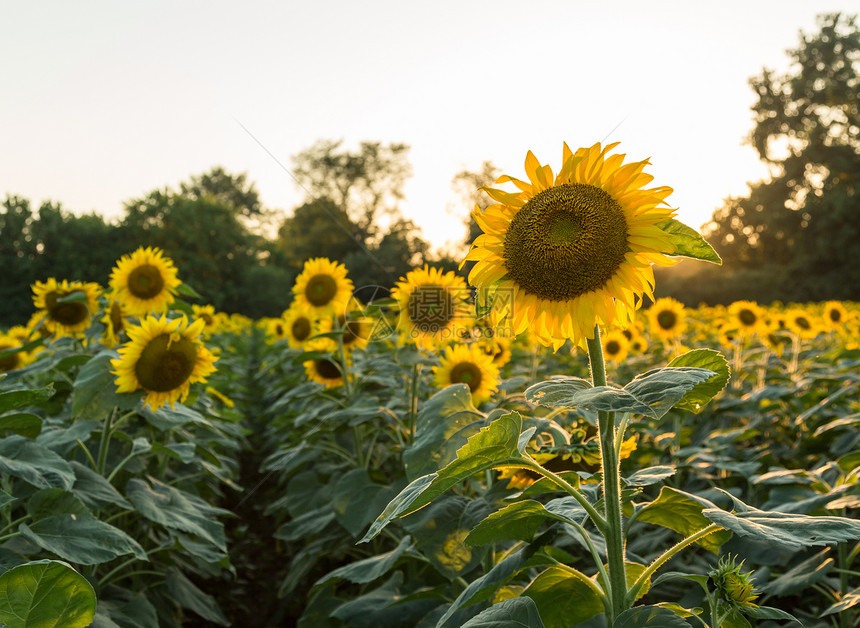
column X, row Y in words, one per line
column 209, row 316
column 145, row 282
column 323, row 287
column 573, row 250
column 497, row 347
column 835, row 315
column 66, row 306
column 638, row 344
column 747, row 316
column 114, row 322
column 667, row 318
column 12, row 361
column 800, row 322
column 616, row 346
column 163, row 357
column 276, row 329
column 433, row 307
column 356, row 326
column 468, row 364
column 323, row 369
column 298, row 326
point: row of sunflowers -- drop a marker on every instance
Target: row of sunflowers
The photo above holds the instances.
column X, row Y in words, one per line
column 401, row 461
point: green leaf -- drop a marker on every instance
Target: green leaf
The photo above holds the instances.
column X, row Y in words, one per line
column 701, row 394
column 682, row 512
column 126, row 609
column 54, row 501
column 15, row 399
column 22, row 423
column 788, row 529
column 649, row 617
column 35, row 464
column 493, row 446
column 94, row 490
column 95, row 393
column 768, row 612
column 661, row 389
column 521, row 520
column 849, row 600
column 558, row 392
column 565, row 597
column 384, row 606
column 369, row 569
column 47, row 594
column 81, row 539
column 187, row 291
column 176, row 509
column 518, row 612
column 6, row 498
column 187, row 595
column 444, row 424
column 306, row 524
column 357, row 500
column 649, row 476
column 688, row 242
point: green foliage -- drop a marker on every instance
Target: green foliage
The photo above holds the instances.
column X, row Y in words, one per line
column 46, row 593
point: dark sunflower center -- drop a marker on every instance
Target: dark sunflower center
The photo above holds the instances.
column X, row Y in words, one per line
column 835, row 315
column 747, row 317
column 430, row 308
column 566, row 241
column 667, row 319
column 116, row 319
column 67, row 312
column 327, row 369
column 145, row 281
column 279, row 329
column 351, row 330
column 301, row 329
column 10, row 362
column 613, row 347
column 163, row 365
column 802, row 322
column 467, row 373
column 207, row 319
column 320, row 289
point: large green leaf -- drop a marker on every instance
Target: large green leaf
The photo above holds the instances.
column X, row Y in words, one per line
column 120, row 607
column 688, row 242
column 565, row 597
column 649, row 617
column 521, row 520
column 176, row 509
column 849, row 600
column 661, row 389
column 94, row 490
column 682, row 512
column 444, row 424
column 651, row 475
column 54, row 501
column 81, row 539
column 23, row 423
column 499, row 443
column 46, row 594
column 35, row 464
column 558, row 392
column 802, row 576
column 357, row 500
column 384, row 606
column 187, row 595
column 16, row 399
column 518, row 612
column 701, row 394
column 369, row 569
column 95, row 393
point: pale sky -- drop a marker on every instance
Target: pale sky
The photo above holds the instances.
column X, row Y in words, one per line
column 101, row 102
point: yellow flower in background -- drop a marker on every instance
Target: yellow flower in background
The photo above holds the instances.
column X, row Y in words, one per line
column 114, row 322
column 747, row 316
column 433, row 307
column 835, row 315
column 323, row 288
column 571, row 250
column 163, row 357
column 324, row 370
column 468, row 364
column 357, row 327
column 667, row 318
column 16, row 360
column 616, row 346
column 145, row 282
column 802, row 323
column 65, row 306
column 276, row 329
column 210, row 318
column 298, row 326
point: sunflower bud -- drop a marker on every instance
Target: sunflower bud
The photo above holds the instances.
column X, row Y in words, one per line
column 733, row 586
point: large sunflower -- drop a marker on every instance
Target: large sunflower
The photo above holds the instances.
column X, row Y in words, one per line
column 145, row 282
column 468, row 364
column 323, row 287
column 66, row 306
column 163, row 357
column 433, row 307
column 575, row 249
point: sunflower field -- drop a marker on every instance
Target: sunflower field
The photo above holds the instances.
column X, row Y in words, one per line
column 531, row 448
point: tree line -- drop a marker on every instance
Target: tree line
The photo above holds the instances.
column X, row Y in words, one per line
column 794, row 237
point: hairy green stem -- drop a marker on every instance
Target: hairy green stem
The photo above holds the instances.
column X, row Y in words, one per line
column 413, row 400
column 104, row 443
column 571, row 490
column 614, row 529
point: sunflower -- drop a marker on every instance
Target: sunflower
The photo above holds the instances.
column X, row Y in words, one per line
column 276, row 329
column 145, row 282
column 114, row 322
column 12, row 361
column 66, row 306
column 163, row 357
column 211, row 319
column 747, row 316
column 802, row 323
column 468, row 364
column 299, row 325
column 667, row 318
column 357, row 327
column 323, row 287
column 615, row 345
column 573, row 250
column 433, row 307
column 323, row 369
column 835, row 315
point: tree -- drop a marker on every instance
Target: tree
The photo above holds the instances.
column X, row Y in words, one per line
column 467, row 185
column 231, row 190
column 799, row 232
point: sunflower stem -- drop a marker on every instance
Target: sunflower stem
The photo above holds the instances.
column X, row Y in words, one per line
column 104, row 443
column 614, row 530
column 413, row 400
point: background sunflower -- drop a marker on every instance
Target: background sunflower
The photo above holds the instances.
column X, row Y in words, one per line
column 323, row 287
column 468, row 364
column 145, row 282
column 65, row 306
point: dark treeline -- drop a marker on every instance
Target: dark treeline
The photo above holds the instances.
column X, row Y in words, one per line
column 794, row 237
